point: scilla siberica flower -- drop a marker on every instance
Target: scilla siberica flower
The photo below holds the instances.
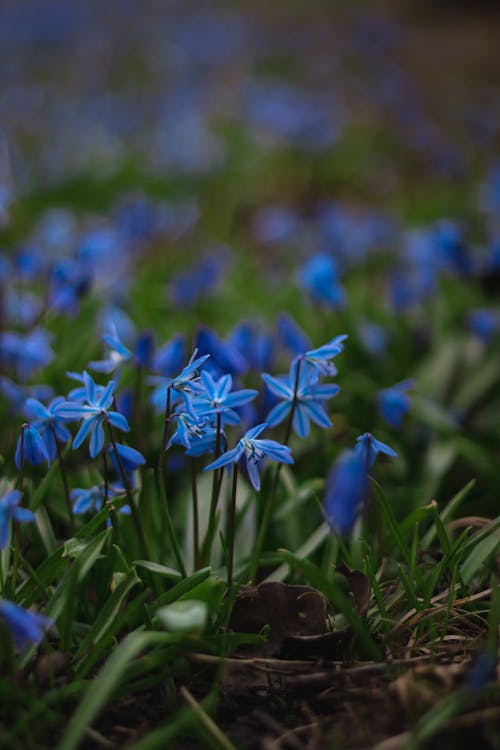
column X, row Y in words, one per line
column 368, row 448
column 217, row 398
column 26, row 628
column 48, row 422
column 93, row 413
column 254, row 451
column 347, row 484
column 394, row 403
column 303, row 396
column 9, row 509
column 346, row 491
column 30, row 447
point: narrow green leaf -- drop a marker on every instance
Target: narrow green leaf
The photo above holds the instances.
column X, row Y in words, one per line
column 100, row 689
column 107, row 616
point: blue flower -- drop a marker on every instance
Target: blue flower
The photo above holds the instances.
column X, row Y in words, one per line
column 48, row 422
column 93, row 413
column 319, row 278
column 368, row 448
column 9, row 509
column 254, row 451
column 394, row 403
column 346, row 491
column 92, row 498
column 305, row 401
column 130, row 458
column 218, row 398
column 32, row 446
column 26, row 353
column 484, row 323
column 186, row 384
column 188, row 380
column 169, row 357
column 27, row 628
column 118, row 353
column 190, row 427
column 224, row 356
column 320, row 359
column 292, row 337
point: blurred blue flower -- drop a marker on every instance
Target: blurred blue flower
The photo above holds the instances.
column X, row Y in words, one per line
column 373, row 336
column 31, row 447
column 254, row 451
column 368, row 448
column 482, row 671
column 27, row 628
column 48, row 422
column 346, row 491
column 484, row 323
column 118, row 353
column 394, row 403
column 200, row 281
column 318, row 276
column 10, row 510
column 26, row 353
column 254, row 345
column 92, row 499
column 69, row 283
column 224, row 356
column 168, row 358
column 291, row 335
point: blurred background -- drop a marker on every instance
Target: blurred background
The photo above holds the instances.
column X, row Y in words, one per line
column 286, row 103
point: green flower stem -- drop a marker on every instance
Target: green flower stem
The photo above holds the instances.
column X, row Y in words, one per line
column 15, row 526
column 64, row 478
column 231, row 523
column 216, row 485
column 269, row 501
column 162, row 487
column 196, row 517
column 138, row 409
column 130, row 498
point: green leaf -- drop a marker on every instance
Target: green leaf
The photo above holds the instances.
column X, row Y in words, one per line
column 183, row 587
column 161, row 570
column 106, row 618
column 481, row 552
column 101, row 689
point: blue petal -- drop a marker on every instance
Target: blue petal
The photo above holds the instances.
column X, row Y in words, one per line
column 301, row 421
column 253, row 474
column 96, row 442
column 118, row 421
column 84, row 430
column 318, row 415
column 230, row 457
column 277, row 386
column 278, row 413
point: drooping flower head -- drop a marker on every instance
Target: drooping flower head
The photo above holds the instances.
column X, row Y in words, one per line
column 394, row 403
column 346, row 491
column 368, row 448
column 11, row 510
